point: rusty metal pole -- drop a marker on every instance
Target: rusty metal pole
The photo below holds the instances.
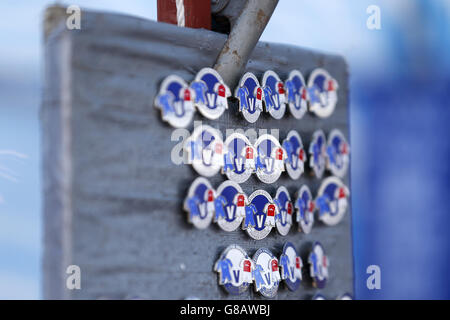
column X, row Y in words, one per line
column 243, row 38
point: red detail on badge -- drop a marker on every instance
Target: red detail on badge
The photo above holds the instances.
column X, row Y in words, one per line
column 324, row 261
column 221, row 90
column 218, row 148
column 187, row 95
column 297, row 263
column 249, row 153
column 289, row 208
column 279, row 154
column 274, row 264
column 240, row 201
column 210, row 195
column 341, row 193
column 271, row 210
column 311, row 206
column 281, row 88
column 330, row 85
column 259, row 94
column 304, row 94
column 344, row 148
column 301, row 155
column 247, row 266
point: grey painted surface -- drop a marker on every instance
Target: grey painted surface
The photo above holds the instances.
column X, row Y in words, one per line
column 112, row 197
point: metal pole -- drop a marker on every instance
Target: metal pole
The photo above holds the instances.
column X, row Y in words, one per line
column 243, row 38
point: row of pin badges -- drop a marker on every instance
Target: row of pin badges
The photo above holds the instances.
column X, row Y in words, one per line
column 178, row 100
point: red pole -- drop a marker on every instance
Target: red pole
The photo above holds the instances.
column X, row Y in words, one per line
column 197, row 13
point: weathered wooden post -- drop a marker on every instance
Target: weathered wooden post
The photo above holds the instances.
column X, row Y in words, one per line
column 112, row 197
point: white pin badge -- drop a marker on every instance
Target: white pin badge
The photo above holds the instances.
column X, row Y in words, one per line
column 250, row 95
column 338, row 153
column 322, row 93
column 260, row 215
column 205, row 150
column 291, row 266
column 235, row 269
column 239, row 161
column 317, row 153
column 266, row 275
column 295, row 154
column 199, row 203
column 319, row 264
column 296, row 94
column 345, row 296
column 285, row 211
column 332, row 201
column 274, row 94
column 175, row 100
column 230, row 205
column 211, row 93
column 270, row 158
column 304, row 204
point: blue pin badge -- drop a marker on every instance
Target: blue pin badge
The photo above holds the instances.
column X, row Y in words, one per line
column 270, row 158
column 295, row 154
column 199, row 203
column 322, row 93
column 274, row 94
column 296, row 94
column 266, row 275
column 240, row 158
column 338, row 153
column 305, row 207
column 332, row 201
column 175, row 100
column 251, row 96
column 285, row 211
column 212, row 93
column 235, row 269
column 260, row 215
column 317, row 153
column 291, row 266
column 229, row 205
column 205, row 150
column 319, row 264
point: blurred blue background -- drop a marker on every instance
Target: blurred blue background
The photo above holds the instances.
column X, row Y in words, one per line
column 400, row 93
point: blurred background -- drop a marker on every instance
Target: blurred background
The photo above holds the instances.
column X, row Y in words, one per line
column 400, row 109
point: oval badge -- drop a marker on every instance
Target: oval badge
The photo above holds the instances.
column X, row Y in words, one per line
column 240, row 158
column 295, row 154
column 266, row 275
column 235, row 269
column 260, row 215
column 176, row 101
column 332, row 201
column 199, row 203
column 317, row 153
column 270, row 159
column 274, row 94
column 285, row 211
column 250, row 95
column 322, row 93
column 297, row 94
column 212, row 93
column 305, row 206
column 291, row 267
column 319, row 264
column 205, row 150
column 230, row 205
column 338, row 153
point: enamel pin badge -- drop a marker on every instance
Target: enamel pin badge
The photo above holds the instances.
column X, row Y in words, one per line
column 304, row 204
column 274, row 94
column 235, row 269
column 285, row 211
column 260, row 215
column 291, row 267
column 239, row 161
column 296, row 94
column 295, row 154
column 175, row 100
column 199, row 203
column 205, row 150
column 317, row 153
column 270, row 159
column 338, row 153
column 211, row 93
column 250, row 95
column 229, row 205
column 319, row 264
column 332, row 201
column 266, row 275
column 322, row 93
